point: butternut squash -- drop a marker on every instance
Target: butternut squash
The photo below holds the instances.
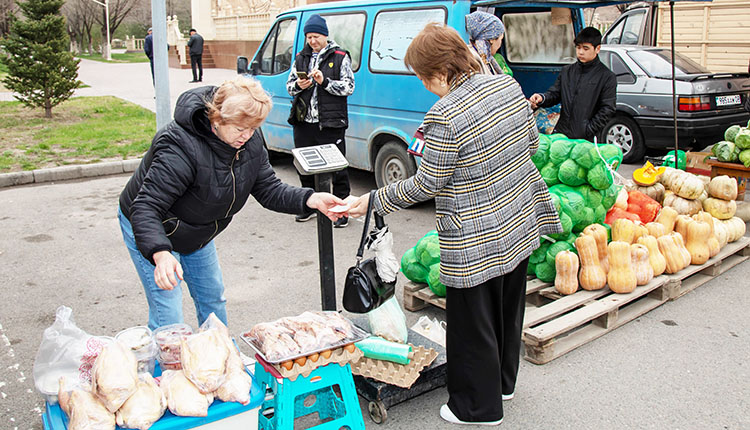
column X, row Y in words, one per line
column 672, row 254
column 655, row 259
column 566, row 266
column 644, row 273
column 667, row 217
column 681, row 224
column 623, row 230
column 621, row 277
column 656, row 229
column 591, row 276
column 713, row 242
column 680, row 242
column 600, row 236
column 698, row 233
column 640, row 231
column 720, row 231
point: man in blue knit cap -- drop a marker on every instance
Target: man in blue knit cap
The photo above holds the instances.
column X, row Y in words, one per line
column 320, row 81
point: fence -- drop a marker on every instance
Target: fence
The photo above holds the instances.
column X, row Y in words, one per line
column 243, row 27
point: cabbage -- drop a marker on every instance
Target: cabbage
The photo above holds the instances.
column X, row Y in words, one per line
column 571, row 201
column 567, row 226
column 743, row 139
column 599, row 214
column 581, row 154
column 586, row 219
column 599, row 177
column 412, row 268
column 571, row 173
column 609, row 196
column 556, row 202
column 541, row 156
column 545, row 272
column 611, row 154
column 745, row 157
column 591, row 196
column 724, row 150
column 559, row 150
column 433, row 280
column 540, row 253
column 549, row 174
column 427, row 250
column 731, row 132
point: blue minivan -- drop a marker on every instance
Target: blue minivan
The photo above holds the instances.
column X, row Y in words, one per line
column 389, row 101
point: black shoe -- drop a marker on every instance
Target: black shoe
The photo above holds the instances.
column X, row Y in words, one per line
column 341, row 222
column 193, row 81
column 304, row 217
column 200, row 80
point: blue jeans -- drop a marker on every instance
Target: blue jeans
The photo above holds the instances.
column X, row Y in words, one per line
column 201, row 272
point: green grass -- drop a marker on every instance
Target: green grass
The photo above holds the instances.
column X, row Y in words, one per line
column 128, row 57
column 83, row 130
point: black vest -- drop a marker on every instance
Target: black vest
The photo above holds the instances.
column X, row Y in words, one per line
column 332, row 110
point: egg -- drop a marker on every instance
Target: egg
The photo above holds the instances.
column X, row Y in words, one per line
column 301, row 361
column 288, row 365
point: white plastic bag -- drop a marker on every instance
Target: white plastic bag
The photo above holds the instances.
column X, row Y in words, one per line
column 388, row 321
column 66, row 350
column 431, row 329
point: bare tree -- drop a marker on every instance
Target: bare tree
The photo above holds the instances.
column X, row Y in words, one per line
column 118, row 11
column 81, row 16
column 6, row 8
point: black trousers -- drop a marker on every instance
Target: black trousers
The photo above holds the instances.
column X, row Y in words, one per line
column 483, row 340
column 197, row 60
column 309, row 134
column 151, row 60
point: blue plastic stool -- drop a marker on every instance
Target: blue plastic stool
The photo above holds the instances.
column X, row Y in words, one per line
column 288, row 401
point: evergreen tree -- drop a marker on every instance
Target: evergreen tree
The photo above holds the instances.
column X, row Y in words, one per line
column 41, row 70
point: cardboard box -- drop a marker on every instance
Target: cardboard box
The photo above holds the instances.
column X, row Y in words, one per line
column 696, row 163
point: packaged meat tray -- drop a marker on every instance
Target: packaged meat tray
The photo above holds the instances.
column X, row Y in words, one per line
column 168, row 340
column 307, row 334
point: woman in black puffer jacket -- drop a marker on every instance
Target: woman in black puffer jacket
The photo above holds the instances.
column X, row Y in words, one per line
column 199, row 172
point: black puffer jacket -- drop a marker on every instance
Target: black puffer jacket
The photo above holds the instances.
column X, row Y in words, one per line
column 587, row 94
column 190, row 183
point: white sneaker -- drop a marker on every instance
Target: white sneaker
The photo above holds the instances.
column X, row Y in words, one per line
column 509, row 396
column 447, row 415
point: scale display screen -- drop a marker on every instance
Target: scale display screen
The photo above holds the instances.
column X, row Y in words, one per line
column 319, row 159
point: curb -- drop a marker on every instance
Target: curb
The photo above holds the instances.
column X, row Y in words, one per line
column 65, row 173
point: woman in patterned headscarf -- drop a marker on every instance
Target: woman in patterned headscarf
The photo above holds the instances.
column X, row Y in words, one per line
column 486, row 33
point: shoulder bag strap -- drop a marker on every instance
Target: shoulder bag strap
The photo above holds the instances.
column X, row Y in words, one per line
column 361, row 250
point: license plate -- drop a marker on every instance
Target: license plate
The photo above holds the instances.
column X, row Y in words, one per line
column 728, row 100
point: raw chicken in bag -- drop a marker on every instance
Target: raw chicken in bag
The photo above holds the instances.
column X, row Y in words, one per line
column 115, row 375
column 144, row 407
column 237, row 382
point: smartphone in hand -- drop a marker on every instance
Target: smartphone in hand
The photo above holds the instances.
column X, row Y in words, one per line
column 302, row 75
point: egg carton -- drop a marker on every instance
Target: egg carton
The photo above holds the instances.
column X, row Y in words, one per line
column 341, row 356
column 401, row 375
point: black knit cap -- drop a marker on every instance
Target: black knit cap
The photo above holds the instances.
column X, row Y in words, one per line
column 316, row 24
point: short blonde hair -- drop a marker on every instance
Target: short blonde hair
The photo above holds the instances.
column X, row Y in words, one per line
column 438, row 49
column 241, row 101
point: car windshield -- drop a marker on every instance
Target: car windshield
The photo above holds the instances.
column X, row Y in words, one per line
column 658, row 63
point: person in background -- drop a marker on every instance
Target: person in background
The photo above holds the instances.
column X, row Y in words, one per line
column 586, row 91
column 491, row 206
column 198, row 173
column 148, row 49
column 320, row 81
column 486, row 33
column 195, row 43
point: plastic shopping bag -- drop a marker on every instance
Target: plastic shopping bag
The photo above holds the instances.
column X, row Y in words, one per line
column 388, row 321
column 66, row 350
column 431, row 329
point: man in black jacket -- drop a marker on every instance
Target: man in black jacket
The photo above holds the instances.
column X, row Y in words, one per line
column 586, row 90
column 320, row 81
column 196, row 55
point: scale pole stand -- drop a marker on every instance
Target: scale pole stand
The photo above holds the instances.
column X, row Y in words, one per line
column 325, row 248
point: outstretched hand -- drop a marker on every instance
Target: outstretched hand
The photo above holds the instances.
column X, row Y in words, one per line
column 359, row 207
column 324, row 202
column 166, row 268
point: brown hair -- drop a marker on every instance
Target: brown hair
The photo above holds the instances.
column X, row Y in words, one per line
column 439, row 50
column 241, row 101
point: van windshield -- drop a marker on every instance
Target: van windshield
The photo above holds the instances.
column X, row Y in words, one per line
column 658, row 63
column 532, row 38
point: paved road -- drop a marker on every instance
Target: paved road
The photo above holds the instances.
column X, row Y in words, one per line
column 680, row 366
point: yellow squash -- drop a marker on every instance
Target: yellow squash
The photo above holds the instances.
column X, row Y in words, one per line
column 566, row 279
column 655, row 259
column 621, row 277
column 591, row 276
column 599, row 234
column 698, row 233
column 639, row 256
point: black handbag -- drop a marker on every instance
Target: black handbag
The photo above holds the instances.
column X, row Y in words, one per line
column 364, row 290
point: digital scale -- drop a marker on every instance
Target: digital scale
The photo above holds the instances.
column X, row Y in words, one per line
column 314, row 160
column 322, row 161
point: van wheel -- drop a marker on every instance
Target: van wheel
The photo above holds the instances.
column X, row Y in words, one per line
column 393, row 164
column 625, row 133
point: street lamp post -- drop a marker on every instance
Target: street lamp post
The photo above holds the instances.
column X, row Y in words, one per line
column 106, row 18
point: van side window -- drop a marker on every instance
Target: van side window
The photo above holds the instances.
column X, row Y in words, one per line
column 530, row 37
column 627, row 31
column 613, row 34
column 348, row 30
column 392, row 33
column 276, row 54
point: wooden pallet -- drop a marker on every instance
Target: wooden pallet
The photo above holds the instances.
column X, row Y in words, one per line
column 418, row 296
column 692, row 277
column 567, row 322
